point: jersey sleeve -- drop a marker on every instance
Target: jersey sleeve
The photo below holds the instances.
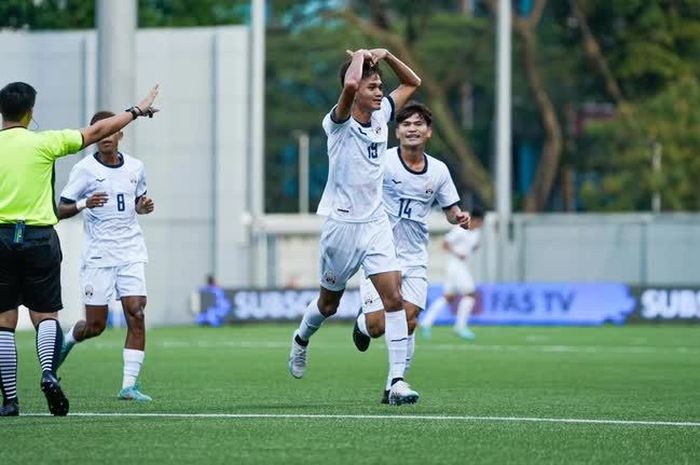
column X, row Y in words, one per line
column 388, row 108
column 331, row 125
column 141, row 184
column 56, row 144
column 77, row 185
column 446, row 195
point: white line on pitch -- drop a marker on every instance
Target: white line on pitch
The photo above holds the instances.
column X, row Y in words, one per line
column 467, row 418
column 437, row 347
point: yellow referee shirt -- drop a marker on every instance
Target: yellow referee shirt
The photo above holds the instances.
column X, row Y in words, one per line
column 27, row 175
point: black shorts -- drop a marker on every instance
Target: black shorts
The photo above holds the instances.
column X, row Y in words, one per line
column 30, row 272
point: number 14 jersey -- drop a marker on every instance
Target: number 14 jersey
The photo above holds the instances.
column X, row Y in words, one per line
column 113, row 236
column 408, row 198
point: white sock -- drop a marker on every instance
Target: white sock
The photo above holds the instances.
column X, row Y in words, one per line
column 396, row 336
column 464, row 309
column 133, row 359
column 69, row 338
column 432, row 313
column 362, row 324
column 311, row 321
column 410, row 347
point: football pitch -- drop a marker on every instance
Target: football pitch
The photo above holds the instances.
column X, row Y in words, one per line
column 515, row 395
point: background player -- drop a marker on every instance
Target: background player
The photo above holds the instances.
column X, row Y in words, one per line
column 413, row 182
column 110, row 188
column 460, row 245
column 357, row 231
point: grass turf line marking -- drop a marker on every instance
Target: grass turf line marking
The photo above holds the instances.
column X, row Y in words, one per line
column 274, row 416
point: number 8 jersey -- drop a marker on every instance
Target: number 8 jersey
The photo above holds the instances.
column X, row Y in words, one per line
column 408, row 198
column 113, row 236
column 353, row 192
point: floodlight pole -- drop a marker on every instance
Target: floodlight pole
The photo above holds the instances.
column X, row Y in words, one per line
column 503, row 134
column 256, row 182
column 303, row 143
column 116, row 52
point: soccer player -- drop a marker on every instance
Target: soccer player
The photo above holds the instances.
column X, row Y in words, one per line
column 30, row 252
column 460, row 245
column 413, row 182
column 109, row 187
column 357, row 232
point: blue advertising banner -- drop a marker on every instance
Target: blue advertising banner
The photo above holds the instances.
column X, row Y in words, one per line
column 568, row 304
column 579, row 304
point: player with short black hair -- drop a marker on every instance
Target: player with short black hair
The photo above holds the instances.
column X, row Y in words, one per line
column 109, row 188
column 357, row 232
column 413, row 182
column 30, row 251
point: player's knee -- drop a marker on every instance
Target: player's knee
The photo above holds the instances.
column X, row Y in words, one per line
column 327, row 307
column 375, row 327
column 94, row 328
column 136, row 318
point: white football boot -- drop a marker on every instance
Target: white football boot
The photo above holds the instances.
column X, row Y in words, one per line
column 401, row 393
column 297, row 358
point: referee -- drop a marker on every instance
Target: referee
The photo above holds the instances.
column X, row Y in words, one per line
column 30, row 253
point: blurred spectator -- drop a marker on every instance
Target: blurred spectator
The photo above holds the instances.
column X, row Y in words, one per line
column 219, row 306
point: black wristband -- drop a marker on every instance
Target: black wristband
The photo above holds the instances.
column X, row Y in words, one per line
column 132, row 110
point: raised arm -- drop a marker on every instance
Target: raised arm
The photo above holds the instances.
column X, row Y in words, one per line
column 109, row 126
column 408, row 80
column 353, row 76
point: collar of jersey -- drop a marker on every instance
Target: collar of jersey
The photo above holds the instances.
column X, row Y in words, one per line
column 119, row 155
column 425, row 164
column 368, row 124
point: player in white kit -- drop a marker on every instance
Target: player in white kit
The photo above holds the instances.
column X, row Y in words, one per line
column 109, row 187
column 357, row 232
column 459, row 282
column 413, row 182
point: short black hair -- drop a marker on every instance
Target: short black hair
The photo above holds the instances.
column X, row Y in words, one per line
column 477, row 212
column 412, row 108
column 367, row 70
column 16, row 99
column 100, row 115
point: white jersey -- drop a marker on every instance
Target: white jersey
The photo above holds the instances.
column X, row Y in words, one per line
column 353, row 192
column 113, row 236
column 463, row 243
column 408, row 198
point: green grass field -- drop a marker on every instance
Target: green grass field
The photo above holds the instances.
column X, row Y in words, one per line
column 502, row 399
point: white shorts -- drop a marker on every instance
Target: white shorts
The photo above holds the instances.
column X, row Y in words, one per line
column 413, row 289
column 459, row 279
column 100, row 284
column 347, row 246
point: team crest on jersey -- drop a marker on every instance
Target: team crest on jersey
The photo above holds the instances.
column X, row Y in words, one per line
column 329, row 277
column 429, row 189
column 133, row 179
column 89, row 291
column 378, row 130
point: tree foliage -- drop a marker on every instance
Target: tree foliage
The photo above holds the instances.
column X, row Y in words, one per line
column 636, row 59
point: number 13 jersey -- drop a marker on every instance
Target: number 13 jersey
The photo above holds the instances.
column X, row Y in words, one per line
column 353, row 191
column 113, row 236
